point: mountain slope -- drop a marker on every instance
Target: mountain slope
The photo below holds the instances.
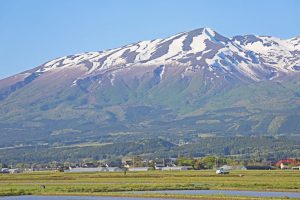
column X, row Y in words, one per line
column 179, row 88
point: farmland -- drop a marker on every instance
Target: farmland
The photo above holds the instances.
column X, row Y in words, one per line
column 119, row 184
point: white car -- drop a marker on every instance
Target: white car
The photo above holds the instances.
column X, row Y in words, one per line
column 222, row 171
column 4, row 170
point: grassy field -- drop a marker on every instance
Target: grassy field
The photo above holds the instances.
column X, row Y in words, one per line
column 116, row 184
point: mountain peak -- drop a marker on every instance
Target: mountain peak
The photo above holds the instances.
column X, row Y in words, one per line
column 210, row 33
column 204, row 30
column 179, row 47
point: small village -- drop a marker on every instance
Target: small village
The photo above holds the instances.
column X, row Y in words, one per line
column 137, row 164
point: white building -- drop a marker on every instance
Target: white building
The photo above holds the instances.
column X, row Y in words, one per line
column 95, row 169
column 178, row 168
column 15, row 171
column 138, row 169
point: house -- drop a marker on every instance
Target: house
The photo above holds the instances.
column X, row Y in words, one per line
column 159, row 166
column 170, row 162
column 127, row 162
column 88, row 165
column 164, row 162
column 286, row 163
column 284, row 166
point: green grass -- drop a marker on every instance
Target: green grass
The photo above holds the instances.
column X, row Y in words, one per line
column 109, row 183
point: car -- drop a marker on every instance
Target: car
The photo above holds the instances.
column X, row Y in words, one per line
column 222, row 171
column 4, row 171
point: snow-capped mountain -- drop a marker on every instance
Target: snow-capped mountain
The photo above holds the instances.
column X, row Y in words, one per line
column 254, row 57
column 193, row 82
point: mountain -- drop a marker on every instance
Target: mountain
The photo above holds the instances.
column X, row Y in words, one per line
column 181, row 88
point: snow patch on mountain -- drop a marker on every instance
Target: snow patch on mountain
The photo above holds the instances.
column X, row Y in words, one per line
column 276, row 53
column 198, row 43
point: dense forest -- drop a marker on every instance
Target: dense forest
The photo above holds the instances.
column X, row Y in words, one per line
column 259, row 148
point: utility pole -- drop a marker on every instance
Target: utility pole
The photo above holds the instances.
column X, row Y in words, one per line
column 133, row 163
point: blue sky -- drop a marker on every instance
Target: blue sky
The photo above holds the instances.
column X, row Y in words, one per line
column 34, row 31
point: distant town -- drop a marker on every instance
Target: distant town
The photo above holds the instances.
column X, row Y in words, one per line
column 136, row 163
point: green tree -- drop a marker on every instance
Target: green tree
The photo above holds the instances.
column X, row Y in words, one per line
column 21, row 165
column 208, row 162
column 184, row 161
column 198, row 164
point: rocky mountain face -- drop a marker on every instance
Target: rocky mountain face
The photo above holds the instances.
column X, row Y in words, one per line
column 192, row 84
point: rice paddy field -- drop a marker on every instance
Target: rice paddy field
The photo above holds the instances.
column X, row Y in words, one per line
column 120, row 184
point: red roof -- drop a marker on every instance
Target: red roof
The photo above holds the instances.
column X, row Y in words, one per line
column 287, row 161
